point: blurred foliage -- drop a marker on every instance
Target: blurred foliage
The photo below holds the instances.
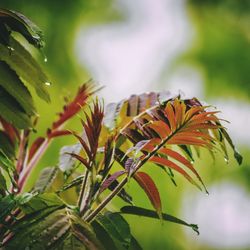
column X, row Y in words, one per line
column 221, row 49
column 222, row 46
column 60, row 21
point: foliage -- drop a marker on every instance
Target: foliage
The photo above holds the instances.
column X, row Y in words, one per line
column 221, row 46
column 114, row 147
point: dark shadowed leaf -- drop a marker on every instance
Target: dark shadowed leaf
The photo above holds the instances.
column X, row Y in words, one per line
column 152, row 214
column 117, row 228
column 19, row 23
column 134, row 245
column 12, row 112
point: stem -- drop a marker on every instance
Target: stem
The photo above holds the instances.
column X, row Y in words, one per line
column 83, row 187
column 92, row 215
column 21, row 153
column 119, row 187
column 25, row 173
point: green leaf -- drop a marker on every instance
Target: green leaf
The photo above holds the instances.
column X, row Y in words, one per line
column 103, row 236
column 116, row 227
column 26, row 67
column 152, row 214
column 237, row 155
column 45, row 180
column 12, row 112
column 6, row 146
column 134, row 245
column 75, row 182
column 19, row 23
column 13, row 85
column 3, row 185
column 30, row 203
column 8, row 166
column 59, row 229
column 7, row 204
column 4, row 34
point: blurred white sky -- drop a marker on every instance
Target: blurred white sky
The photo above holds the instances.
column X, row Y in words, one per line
column 131, row 56
column 223, row 216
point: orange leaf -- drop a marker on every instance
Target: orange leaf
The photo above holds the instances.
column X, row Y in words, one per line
column 178, row 111
column 160, row 128
column 171, row 116
column 192, row 111
column 182, row 140
column 201, row 126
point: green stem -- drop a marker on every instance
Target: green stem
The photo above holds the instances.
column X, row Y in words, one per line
column 83, row 188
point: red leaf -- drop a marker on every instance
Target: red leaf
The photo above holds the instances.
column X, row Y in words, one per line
column 83, row 143
column 75, row 106
column 10, row 130
column 58, row 133
column 148, row 185
column 81, row 159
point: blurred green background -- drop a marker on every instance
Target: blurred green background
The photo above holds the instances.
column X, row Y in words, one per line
column 201, row 48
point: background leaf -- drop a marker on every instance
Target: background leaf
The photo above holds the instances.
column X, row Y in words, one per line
column 45, row 180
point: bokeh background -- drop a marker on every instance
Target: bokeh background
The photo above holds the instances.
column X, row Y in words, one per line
column 194, row 47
